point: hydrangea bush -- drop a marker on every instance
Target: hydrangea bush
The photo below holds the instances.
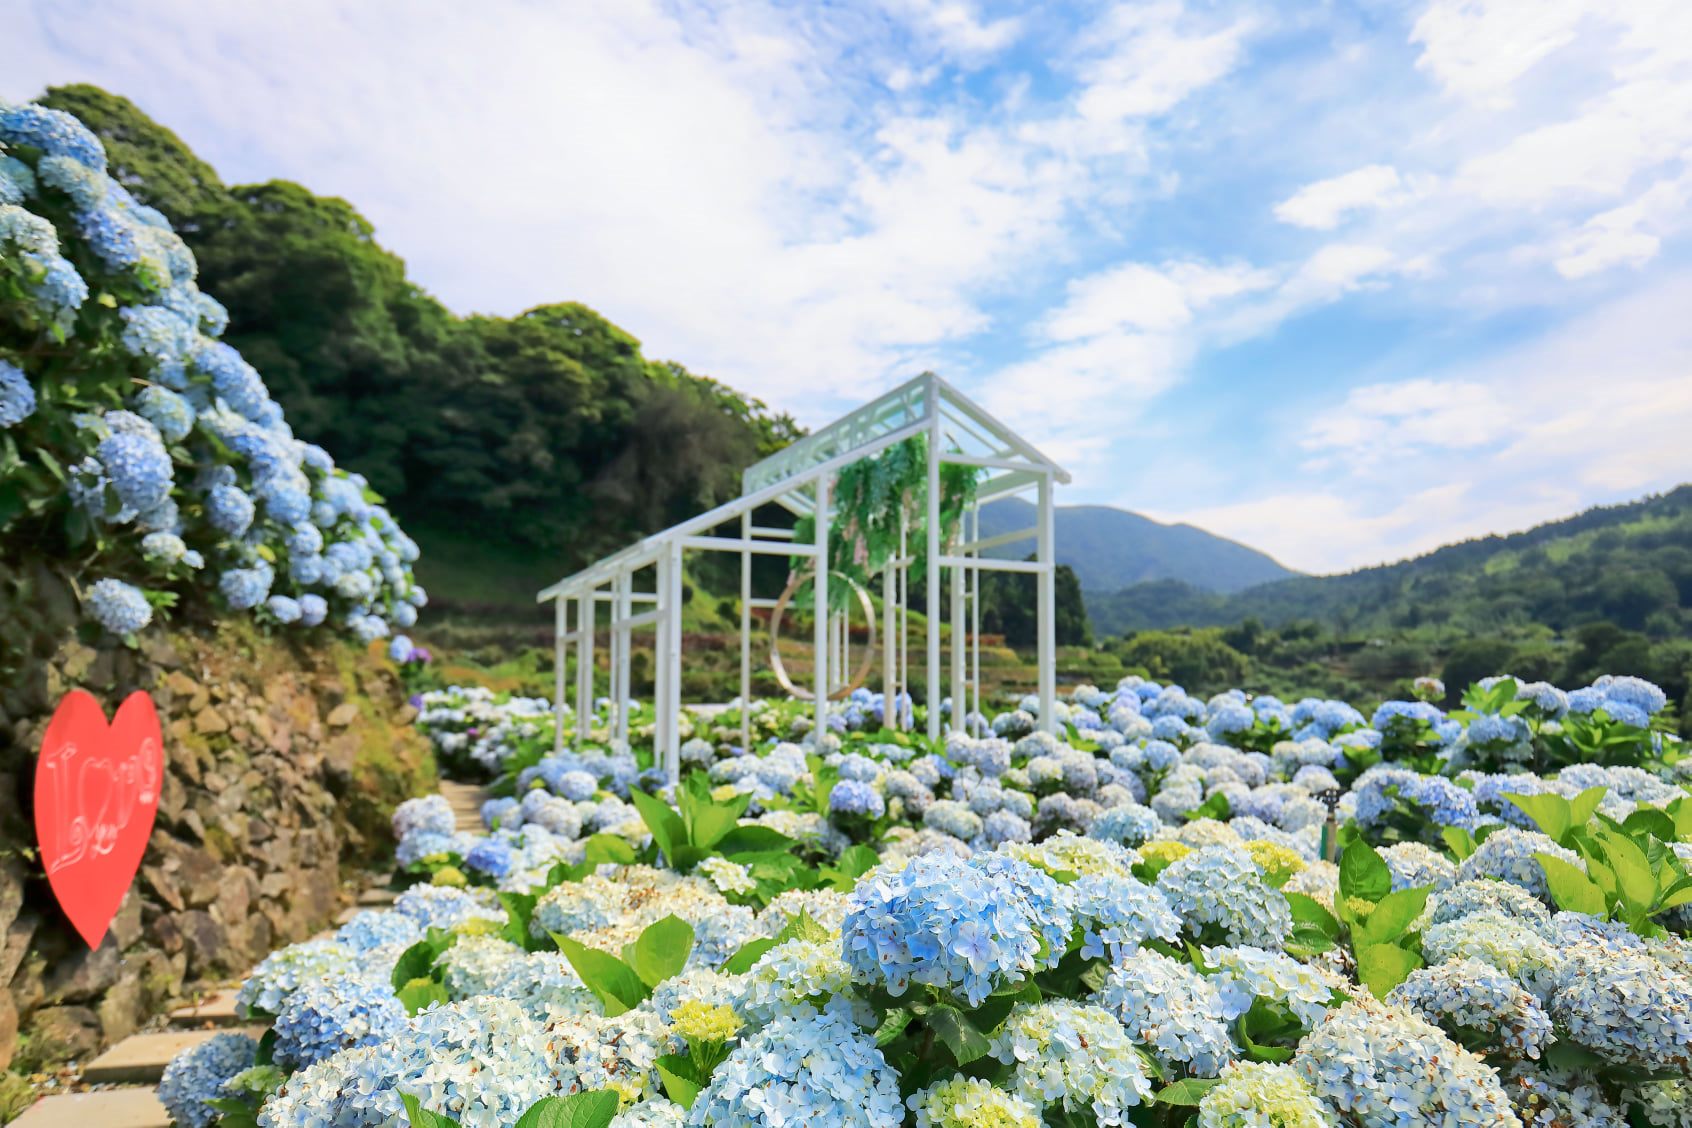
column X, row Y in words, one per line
column 138, row 441
column 1193, row 924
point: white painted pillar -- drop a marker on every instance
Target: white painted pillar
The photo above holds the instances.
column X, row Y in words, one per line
column 745, row 635
column 889, row 657
column 586, row 620
column 934, row 573
column 560, row 627
column 1047, row 609
column 673, row 661
column 959, row 706
column 620, row 639
column 819, row 586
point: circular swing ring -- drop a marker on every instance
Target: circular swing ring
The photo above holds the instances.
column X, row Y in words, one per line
column 780, row 671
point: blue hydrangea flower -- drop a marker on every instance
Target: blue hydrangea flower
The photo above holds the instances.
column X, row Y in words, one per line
column 1477, row 1003
column 196, row 1075
column 1128, row 824
column 285, row 609
column 439, row 906
column 1625, row 1005
column 229, row 510
column 431, row 813
column 1075, row 1055
column 330, row 1017
column 1118, row 914
column 138, row 468
column 166, row 411
column 378, row 928
column 17, row 395
column 1220, row 887
column 818, row 1069
column 852, row 797
column 1169, row 1008
column 119, row 607
column 491, row 856
column 245, row 588
column 1384, row 1066
column 963, row 927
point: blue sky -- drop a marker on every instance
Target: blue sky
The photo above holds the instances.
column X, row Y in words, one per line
column 1344, row 281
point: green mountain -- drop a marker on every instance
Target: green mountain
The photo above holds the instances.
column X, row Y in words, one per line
column 1627, row 565
column 513, row 449
column 1113, row 548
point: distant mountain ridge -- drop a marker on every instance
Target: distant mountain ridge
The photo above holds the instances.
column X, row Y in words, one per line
column 1110, row 548
column 1628, row 564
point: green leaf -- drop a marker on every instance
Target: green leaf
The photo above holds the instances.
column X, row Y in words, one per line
column 667, row 828
column 893, row 1024
column 1381, row 967
column 594, row 1108
column 1572, row 889
column 753, row 840
column 1395, row 914
column 1363, row 873
column 1582, row 806
column 236, row 1114
column 1216, row 807
column 613, row 981
column 419, row 993
column 708, row 822
column 1308, row 910
column 421, row 1117
column 604, row 848
column 662, row 950
column 416, row 962
column 1459, row 841
column 1633, row 872
column 853, row 863
column 681, row 1078
column 1187, row 1092
column 750, row 953
column 959, row 1033
column 1553, row 814
column 1681, row 809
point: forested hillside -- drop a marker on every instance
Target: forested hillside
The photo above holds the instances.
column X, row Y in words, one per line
column 1607, row 591
column 1630, row 565
column 511, row 448
column 1110, row 548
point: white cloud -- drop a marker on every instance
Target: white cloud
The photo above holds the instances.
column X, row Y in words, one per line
column 958, row 27
column 1480, row 48
column 1629, row 235
column 1386, row 421
column 1323, row 204
column 1137, row 295
column 1596, row 411
column 1145, row 59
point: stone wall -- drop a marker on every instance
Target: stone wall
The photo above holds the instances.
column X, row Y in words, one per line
column 283, row 763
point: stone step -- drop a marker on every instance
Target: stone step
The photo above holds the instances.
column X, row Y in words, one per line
column 376, row 898
column 107, row 1108
column 141, row 1058
column 216, row 1009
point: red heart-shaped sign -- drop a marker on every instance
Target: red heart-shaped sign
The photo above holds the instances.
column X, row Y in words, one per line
column 96, row 795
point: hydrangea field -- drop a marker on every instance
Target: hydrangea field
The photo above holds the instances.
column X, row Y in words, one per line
column 135, row 441
column 1223, row 912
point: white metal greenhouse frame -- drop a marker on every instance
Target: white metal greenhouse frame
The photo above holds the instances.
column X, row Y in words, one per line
column 641, row 586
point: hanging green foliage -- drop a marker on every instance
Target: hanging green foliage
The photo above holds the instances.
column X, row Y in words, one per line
column 871, row 498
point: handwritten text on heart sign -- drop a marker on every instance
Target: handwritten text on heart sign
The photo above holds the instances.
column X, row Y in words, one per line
column 96, row 796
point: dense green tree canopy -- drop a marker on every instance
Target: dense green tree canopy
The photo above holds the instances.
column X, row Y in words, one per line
column 546, row 434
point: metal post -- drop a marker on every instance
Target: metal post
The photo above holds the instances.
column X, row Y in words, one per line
column 975, row 611
column 672, row 660
column 620, row 675
column 561, row 624
column 745, row 635
column 661, row 667
column 587, row 615
column 958, row 638
column 819, row 629
column 934, row 571
column 889, row 683
column 1047, row 609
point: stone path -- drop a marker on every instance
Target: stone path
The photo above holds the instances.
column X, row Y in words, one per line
column 466, row 800
column 128, row 1071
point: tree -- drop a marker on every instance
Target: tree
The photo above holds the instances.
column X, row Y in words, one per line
column 1471, row 661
